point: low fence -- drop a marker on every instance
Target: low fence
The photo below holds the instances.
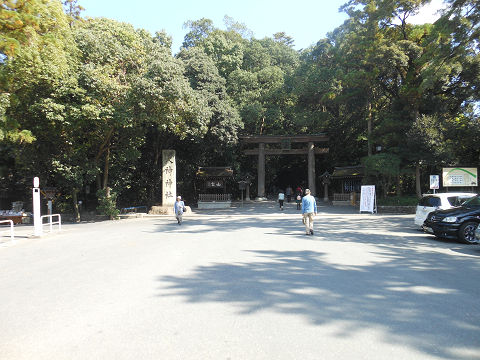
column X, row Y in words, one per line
column 341, row 197
column 133, row 209
column 214, row 201
column 346, row 198
column 214, row 197
column 51, row 222
column 12, row 233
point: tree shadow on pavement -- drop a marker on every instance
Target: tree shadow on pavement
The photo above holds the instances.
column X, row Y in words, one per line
column 417, row 297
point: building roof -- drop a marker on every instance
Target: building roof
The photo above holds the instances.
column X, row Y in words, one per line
column 357, row 171
column 215, row 172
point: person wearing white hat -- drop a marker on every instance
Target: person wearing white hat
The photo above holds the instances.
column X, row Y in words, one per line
column 179, row 209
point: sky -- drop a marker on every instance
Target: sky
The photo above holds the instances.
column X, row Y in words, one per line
column 306, row 21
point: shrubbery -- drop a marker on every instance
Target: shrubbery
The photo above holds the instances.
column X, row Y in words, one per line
column 107, row 203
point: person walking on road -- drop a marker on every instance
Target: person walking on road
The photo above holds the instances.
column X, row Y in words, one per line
column 281, row 199
column 309, row 210
column 288, row 192
column 299, row 190
column 179, row 209
column 298, row 200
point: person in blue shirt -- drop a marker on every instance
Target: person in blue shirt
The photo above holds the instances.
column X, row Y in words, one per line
column 309, row 210
column 179, row 208
column 281, row 199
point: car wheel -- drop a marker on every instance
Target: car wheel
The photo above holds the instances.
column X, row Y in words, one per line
column 466, row 233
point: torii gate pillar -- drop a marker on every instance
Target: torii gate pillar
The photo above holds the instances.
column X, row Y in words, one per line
column 285, row 149
column 261, row 172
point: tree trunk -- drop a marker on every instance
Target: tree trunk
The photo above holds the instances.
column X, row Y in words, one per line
column 418, row 184
column 104, row 147
column 158, row 151
column 107, row 195
column 156, row 164
column 106, row 168
column 369, row 130
column 399, row 185
column 262, row 125
column 76, row 213
column 417, row 181
column 98, row 180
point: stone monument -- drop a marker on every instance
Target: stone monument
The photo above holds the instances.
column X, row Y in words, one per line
column 169, row 183
column 169, row 178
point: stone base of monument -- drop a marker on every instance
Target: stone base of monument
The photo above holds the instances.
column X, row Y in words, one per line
column 161, row 210
column 131, row 216
column 167, row 210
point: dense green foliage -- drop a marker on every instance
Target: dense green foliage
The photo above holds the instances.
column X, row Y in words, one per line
column 91, row 103
column 107, row 204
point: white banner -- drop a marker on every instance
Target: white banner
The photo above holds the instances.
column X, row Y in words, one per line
column 367, row 199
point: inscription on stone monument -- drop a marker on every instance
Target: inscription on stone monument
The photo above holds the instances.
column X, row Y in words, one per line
column 169, row 178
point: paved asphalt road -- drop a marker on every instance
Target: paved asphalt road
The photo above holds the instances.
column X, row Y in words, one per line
column 240, row 284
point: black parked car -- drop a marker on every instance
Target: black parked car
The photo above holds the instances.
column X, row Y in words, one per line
column 457, row 223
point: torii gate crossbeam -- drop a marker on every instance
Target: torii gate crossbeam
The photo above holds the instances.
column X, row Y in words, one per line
column 272, row 139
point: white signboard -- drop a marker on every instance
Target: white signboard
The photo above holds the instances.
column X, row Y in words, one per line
column 459, row 177
column 435, row 182
column 368, row 201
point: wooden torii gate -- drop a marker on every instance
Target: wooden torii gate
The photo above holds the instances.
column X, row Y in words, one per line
column 285, row 141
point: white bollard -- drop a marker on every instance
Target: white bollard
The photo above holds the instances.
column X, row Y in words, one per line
column 37, row 220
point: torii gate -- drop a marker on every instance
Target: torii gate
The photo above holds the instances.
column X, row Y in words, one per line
column 261, row 151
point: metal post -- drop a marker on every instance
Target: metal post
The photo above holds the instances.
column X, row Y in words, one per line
column 12, row 232
column 37, row 220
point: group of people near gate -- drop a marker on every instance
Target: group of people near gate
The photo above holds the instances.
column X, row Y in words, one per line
column 306, row 203
column 289, row 193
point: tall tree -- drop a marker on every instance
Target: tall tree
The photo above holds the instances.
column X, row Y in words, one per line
column 41, row 82
column 224, row 121
column 22, row 24
column 199, row 30
column 19, row 20
column 401, row 68
column 261, row 87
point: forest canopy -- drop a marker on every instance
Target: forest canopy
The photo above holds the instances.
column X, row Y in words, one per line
column 88, row 104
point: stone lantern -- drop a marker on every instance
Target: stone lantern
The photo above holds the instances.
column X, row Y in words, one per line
column 326, row 178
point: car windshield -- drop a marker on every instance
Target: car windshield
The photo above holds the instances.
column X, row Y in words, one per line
column 458, row 200
column 473, row 202
column 431, row 201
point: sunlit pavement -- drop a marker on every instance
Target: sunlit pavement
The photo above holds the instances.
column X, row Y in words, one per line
column 242, row 283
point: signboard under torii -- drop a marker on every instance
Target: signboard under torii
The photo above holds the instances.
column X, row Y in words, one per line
column 169, row 178
column 459, row 177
